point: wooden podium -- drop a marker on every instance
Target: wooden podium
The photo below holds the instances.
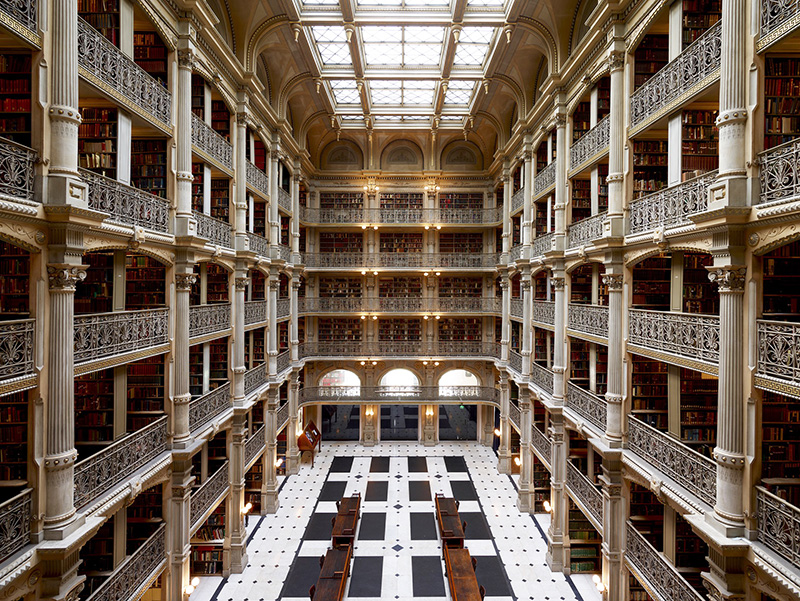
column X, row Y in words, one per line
column 310, row 438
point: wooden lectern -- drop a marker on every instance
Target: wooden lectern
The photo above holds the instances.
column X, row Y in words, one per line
column 310, row 438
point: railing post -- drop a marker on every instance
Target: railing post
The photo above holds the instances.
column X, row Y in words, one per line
column 241, row 283
column 504, row 451
column 270, row 487
column 616, row 353
column 184, row 279
column 526, row 467
column 185, row 225
column 235, row 517
column 556, row 559
column 292, row 452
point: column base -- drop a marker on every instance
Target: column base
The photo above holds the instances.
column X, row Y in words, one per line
column 555, row 557
column 293, row 463
column 524, row 500
column 61, row 529
column 239, row 558
column 504, row 462
column 270, row 500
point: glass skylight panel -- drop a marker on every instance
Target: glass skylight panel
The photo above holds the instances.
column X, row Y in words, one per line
column 451, row 117
column 418, row 92
column 386, row 92
column 459, row 92
column 332, row 44
column 473, row 44
column 320, row 2
column 345, row 92
column 402, row 46
column 492, row 3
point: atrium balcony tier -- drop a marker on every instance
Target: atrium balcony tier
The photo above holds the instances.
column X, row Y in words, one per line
column 589, row 322
column 17, row 174
column 671, row 208
column 22, row 18
column 517, row 200
column 209, row 321
column 400, row 260
column 585, row 232
column 376, row 395
column 591, row 147
column 780, row 177
column 211, row 146
column 586, row 495
column 207, row 496
column 778, row 358
column 255, row 446
column 413, row 349
column 408, row 216
column 15, row 516
column 544, row 181
column 17, row 354
column 126, row 205
column 777, row 20
column 541, row 445
column 207, row 408
column 284, row 201
column 338, row 305
column 587, row 406
column 216, row 231
column 778, row 525
column 258, row 244
column 282, row 417
column 255, row 378
column 544, row 314
column 257, row 181
column 255, row 314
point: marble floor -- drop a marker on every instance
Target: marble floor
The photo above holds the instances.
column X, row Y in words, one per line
column 397, row 554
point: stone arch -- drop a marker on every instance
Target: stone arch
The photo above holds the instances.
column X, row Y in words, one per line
column 402, row 155
column 332, row 370
column 342, row 155
column 225, row 20
column 409, row 370
column 451, row 370
column 461, row 155
column 543, row 33
column 258, row 37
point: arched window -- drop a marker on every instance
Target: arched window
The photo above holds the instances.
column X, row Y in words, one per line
column 458, row 383
column 400, row 381
column 340, row 377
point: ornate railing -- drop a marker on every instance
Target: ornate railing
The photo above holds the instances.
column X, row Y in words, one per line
column 466, row 304
column 544, row 312
column 334, row 304
column 400, row 305
column 205, row 408
column 779, row 173
column 125, row 204
column 130, row 579
column 589, row 319
column 588, row 405
column 282, row 417
column 681, row 334
column 384, row 394
column 670, row 207
column 443, row 216
column 515, row 253
column 284, row 200
column 778, row 525
column 515, row 361
column 107, row 334
column 466, row 216
column 15, row 524
column 687, row 467
column 283, row 308
column 348, row 348
column 779, row 350
column 114, row 464
column 778, row 17
column 255, row 312
column 257, row 180
column 540, row 442
column 209, row 492
column 16, row 348
column 16, row 169
column 283, row 252
column 585, row 232
column 591, row 144
column 517, row 199
column 545, row 179
column 114, row 72
column 205, row 139
column 586, row 492
column 409, row 259
column 690, row 71
column 517, row 309
column 23, row 12
column 654, row 570
column 207, row 319
column 283, row 361
column 255, row 444
column 334, row 216
column 542, row 377
column 258, row 244
column 255, row 378
column 542, row 244
column 214, row 230
column 514, row 416
column 467, row 348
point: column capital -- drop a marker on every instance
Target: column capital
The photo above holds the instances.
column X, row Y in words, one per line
column 613, row 281
column 274, row 283
column 729, row 278
column 242, row 283
column 185, row 281
column 557, row 282
column 616, row 61
column 64, row 277
column 186, row 59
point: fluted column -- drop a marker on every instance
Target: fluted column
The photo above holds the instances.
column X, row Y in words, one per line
column 527, row 332
column 507, row 190
column 613, row 525
column 236, row 518
column 270, row 494
column 274, row 181
column 732, row 117
column 525, row 469
column 559, row 335
column 185, row 224
column 295, row 241
column 180, row 504
column 294, row 317
column 60, row 455
column 505, row 341
column 527, row 199
column 272, row 332
column 616, row 190
column 184, row 279
column 504, row 452
column 561, row 197
column 615, row 385
column 240, row 166
column 292, row 452
column 556, row 554
column 239, row 368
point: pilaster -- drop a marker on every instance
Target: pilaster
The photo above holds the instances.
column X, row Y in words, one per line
column 524, row 501
column 557, row 559
column 185, row 224
column 180, row 502
column 184, row 279
column 614, row 226
column 270, row 487
column 613, row 525
column 507, row 193
column 294, row 332
column 527, row 200
column 272, row 332
column 505, row 341
column 504, row 452
column 236, row 517
column 557, row 281
column 241, row 283
column 240, row 171
column 527, row 330
column 274, row 183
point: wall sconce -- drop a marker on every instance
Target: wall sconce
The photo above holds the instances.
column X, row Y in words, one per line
column 369, row 412
column 436, row 363
column 425, row 273
column 497, row 432
column 374, row 273
column 547, row 507
column 429, row 412
column 363, row 272
column 374, row 317
column 438, row 273
column 190, row 588
column 598, row 582
column 518, row 461
column 249, row 506
column 372, row 188
column 278, row 464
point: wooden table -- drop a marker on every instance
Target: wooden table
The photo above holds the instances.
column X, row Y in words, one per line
column 344, row 528
column 450, row 525
column 461, row 575
column 350, row 504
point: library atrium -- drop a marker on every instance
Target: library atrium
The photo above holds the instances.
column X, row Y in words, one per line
column 293, row 290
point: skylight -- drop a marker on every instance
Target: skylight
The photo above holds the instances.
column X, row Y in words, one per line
column 406, row 3
column 320, row 2
column 473, row 44
column 401, row 46
column 401, row 92
column 493, row 3
column 345, row 92
column 459, row 92
column 332, row 44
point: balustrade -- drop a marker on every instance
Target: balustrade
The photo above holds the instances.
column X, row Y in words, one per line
column 438, row 216
column 211, row 144
column 517, row 200
column 392, row 259
column 516, row 308
column 544, row 180
column 205, row 408
column 542, row 377
column 468, row 348
column 258, row 244
column 214, row 230
column 16, row 348
column 284, row 200
column 282, row 417
column 591, row 145
column 585, row 232
column 514, row 416
column 257, row 180
column 255, row 312
column 17, row 174
column 778, row 525
column 777, row 18
column 15, row 523
column 515, row 361
column 541, row 443
column 284, row 361
column 398, row 394
column 515, row 253
column 588, row 405
column 23, row 13
column 208, row 494
column 670, row 207
column 107, row 334
column 542, row 244
column 255, row 444
column 400, row 305
column 588, row 319
column 283, row 253
column 332, row 216
column 255, row 378
column 680, row 334
column 780, row 173
column 587, row 492
column 110, row 70
column 209, row 319
column 544, row 312
column 779, row 350
column 125, row 204
column 283, row 308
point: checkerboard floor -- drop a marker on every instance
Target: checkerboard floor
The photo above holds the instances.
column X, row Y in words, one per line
column 397, row 554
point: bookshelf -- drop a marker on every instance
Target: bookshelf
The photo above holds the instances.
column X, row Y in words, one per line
column 285, row 221
column 540, row 286
column 258, row 285
column 257, row 416
column 402, row 330
column 647, row 515
column 15, row 88
column 651, row 284
column 13, row 440
column 221, row 119
column 498, row 329
column 395, row 242
column 196, row 370
column 461, row 200
column 207, row 544
column 15, row 265
column 540, row 346
column 94, row 293
column 602, row 187
column 498, row 238
column 401, row 200
column 580, row 120
column 461, row 242
column 341, row 200
column 217, row 451
column 216, row 284
column 581, row 199
column 103, row 15
column 149, row 166
column 780, row 446
column 540, row 222
column 584, row 543
column 145, row 282
column 218, row 362
column 698, row 16
column 145, row 395
column 97, row 141
column 340, row 287
column 649, row 396
column 651, row 55
column 339, row 329
column 150, row 53
column 690, row 554
column 603, row 97
column 649, row 166
column 541, row 485
column 144, row 516
column 581, row 284
column 601, row 369
column 283, row 336
column 516, row 328
column 781, row 100
column 94, row 411
column 460, row 287
column 220, row 198
column 459, row 329
column 333, row 242
column 259, row 154
column 280, row 453
column 700, row 295
column 636, row 591
column 516, row 230
column 700, row 143
column 253, row 480
column 259, row 217
column 97, row 558
column 198, row 96
column 781, row 276
column 698, row 410
column 579, row 363
column 198, row 193
column 400, row 287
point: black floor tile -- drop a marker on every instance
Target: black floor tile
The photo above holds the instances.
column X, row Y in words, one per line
column 332, row 490
column 379, row 465
column 419, row 490
column 417, row 464
column 423, row 526
column 373, row 526
column 377, row 491
column 455, row 464
column 319, row 527
column 302, row 576
column 477, row 528
column 428, row 580
column 342, row 465
column 365, row 577
column 492, row 577
column 464, row 490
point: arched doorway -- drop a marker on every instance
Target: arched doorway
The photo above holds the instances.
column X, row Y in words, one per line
column 400, row 422
column 340, row 422
column 458, row 421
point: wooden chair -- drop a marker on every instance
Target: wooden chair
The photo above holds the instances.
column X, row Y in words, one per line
column 321, row 560
column 311, row 591
column 464, row 527
column 482, row 591
column 333, row 521
column 474, row 564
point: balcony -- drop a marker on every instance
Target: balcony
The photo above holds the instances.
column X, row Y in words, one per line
column 482, row 305
column 282, row 253
column 386, row 348
column 15, row 523
column 115, row 334
column 690, row 72
column 16, row 353
column 691, row 470
column 125, row 204
column 209, row 319
column 106, row 67
column 255, row 312
column 254, row 446
column 778, row 357
column 468, row 348
column 255, row 378
column 654, row 571
column 17, row 174
column 671, row 207
column 681, row 335
column 284, row 200
column 585, row 232
column 587, row 494
column 214, row 230
column 542, row 377
column 587, row 405
column 514, row 417
column 544, row 181
column 779, row 173
column 132, row 578
column 207, row 496
column 282, row 417
column 22, row 17
column 440, row 216
column 399, row 394
column 778, row 525
column 258, row 244
column 517, row 200
column 205, row 408
column 360, row 260
column 283, row 308
column 591, row 146
column 542, row 244
column 515, row 361
column 257, row 180
column 332, row 216
column 283, row 361
column 116, row 463
column 517, row 308
column 515, row 253
column 588, row 320
column 210, row 145
column 544, row 312
column 778, row 19
column 541, row 443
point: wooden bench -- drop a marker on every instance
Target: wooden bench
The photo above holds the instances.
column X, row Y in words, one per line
column 451, row 528
column 346, row 521
column 461, row 575
column 334, row 570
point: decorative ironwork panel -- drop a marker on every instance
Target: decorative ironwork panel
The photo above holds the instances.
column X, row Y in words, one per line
column 258, row 244
column 255, row 312
column 467, row 348
column 255, row 444
column 681, row 334
column 401, row 305
column 670, row 207
column 255, row 378
column 515, row 361
column 585, row 232
column 207, row 319
column 468, row 304
column 591, row 319
column 586, row 491
column 398, row 348
column 467, row 216
column 284, row 361
column 778, row 17
column 778, row 525
column 16, row 348
column 114, row 464
column 398, row 394
column 654, row 569
column 23, row 12
column 588, row 405
column 393, row 216
column 592, row 143
column 205, row 408
column 542, row 377
column 283, row 253
column 211, row 143
column 284, row 200
column 544, row 312
column 779, row 350
column 16, row 167
column 116, row 72
column 515, row 253
column 334, row 305
column 518, row 199
column 125, row 204
column 516, row 308
column 257, row 180
column 540, row 442
column 309, row 215
column 209, row 492
column 461, row 260
column 214, row 230
column 283, row 308
column 690, row 469
column 282, row 417
column 545, row 179
column 108, row 334
column 780, row 173
column 514, row 416
column 699, row 62
column 135, row 571
column 343, row 259
column 542, row 244
column 15, row 524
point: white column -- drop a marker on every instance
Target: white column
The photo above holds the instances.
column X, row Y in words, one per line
column 615, row 385
column 240, row 172
column 527, row 331
column 272, row 332
column 507, row 189
column 241, row 283
column 185, row 224
column 616, row 191
column 505, row 341
column 559, row 335
column 557, row 556
column 504, row 452
column 272, row 210
column 527, row 210
column 524, row 503
column 236, row 516
column 184, row 279
column 295, row 223
column 270, row 494
column 294, row 331
column 292, row 452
